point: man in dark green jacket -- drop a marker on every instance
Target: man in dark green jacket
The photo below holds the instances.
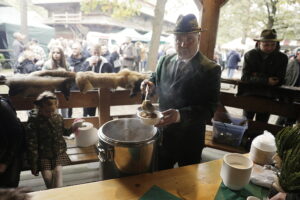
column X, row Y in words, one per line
column 188, row 85
column 263, row 66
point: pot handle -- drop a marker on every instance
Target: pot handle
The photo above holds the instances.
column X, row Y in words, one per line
column 105, row 154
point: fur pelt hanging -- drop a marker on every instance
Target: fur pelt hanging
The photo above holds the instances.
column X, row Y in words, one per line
column 37, row 82
column 125, row 78
column 29, row 85
column 55, row 73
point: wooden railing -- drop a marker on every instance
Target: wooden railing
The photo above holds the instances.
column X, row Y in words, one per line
column 67, row 18
column 105, row 98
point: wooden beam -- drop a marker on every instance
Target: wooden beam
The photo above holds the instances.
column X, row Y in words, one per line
column 104, row 105
column 210, row 22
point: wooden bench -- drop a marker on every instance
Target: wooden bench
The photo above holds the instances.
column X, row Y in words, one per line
column 79, row 155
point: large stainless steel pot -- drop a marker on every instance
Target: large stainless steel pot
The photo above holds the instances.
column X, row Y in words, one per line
column 129, row 144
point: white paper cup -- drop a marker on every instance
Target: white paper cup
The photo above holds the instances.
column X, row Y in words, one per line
column 236, row 170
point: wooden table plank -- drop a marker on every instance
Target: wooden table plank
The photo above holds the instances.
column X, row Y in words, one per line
column 80, row 155
column 83, row 158
column 191, row 182
column 78, row 150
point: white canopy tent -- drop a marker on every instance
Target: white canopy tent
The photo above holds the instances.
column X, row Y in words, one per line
column 147, row 37
column 237, row 44
column 128, row 32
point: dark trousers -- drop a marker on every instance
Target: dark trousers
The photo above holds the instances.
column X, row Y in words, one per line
column 180, row 145
column 260, row 117
column 250, row 135
column 91, row 111
column 284, row 121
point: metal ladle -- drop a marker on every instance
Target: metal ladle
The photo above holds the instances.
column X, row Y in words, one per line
column 147, row 105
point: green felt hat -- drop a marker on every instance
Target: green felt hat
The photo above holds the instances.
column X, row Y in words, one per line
column 186, row 24
column 268, row 35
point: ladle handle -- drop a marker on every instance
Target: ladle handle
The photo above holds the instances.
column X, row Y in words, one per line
column 147, row 92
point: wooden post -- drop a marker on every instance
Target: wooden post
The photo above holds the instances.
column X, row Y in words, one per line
column 104, row 105
column 210, row 22
column 23, row 19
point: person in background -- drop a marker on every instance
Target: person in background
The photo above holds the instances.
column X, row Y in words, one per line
column 188, row 86
column 264, row 65
column 12, row 145
column 105, row 52
column 57, row 61
column 17, row 47
column 292, row 78
column 38, row 51
column 75, row 61
column 138, row 46
column 129, row 55
column 233, row 58
column 46, row 145
column 98, row 64
column 114, row 59
column 26, row 63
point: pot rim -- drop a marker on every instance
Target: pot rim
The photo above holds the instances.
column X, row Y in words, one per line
column 115, row 142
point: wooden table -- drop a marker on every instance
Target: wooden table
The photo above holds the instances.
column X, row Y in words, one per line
column 194, row 182
column 80, row 155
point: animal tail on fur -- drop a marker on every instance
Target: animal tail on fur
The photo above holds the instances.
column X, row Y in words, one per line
column 54, row 73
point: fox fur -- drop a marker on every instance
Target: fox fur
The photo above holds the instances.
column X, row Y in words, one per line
column 28, row 85
column 37, row 82
column 55, row 73
column 125, row 79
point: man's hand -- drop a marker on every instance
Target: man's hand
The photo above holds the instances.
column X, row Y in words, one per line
column 3, row 167
column 169, row 117
column 273, row 80
column 279, row 196
column 150, row 84
column 14, row 194
column 93, row 60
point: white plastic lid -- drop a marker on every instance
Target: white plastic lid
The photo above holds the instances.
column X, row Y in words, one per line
column 265, row 142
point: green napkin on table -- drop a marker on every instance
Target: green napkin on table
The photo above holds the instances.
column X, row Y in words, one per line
column 225, row 193
column 156, row 193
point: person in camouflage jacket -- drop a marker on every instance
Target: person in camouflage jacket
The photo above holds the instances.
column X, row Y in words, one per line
column 45, row 142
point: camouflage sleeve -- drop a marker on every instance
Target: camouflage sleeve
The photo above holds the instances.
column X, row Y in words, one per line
column 66, row 131
column 32, row 144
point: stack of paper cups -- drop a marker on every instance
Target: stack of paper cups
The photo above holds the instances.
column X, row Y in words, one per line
column 87, row 135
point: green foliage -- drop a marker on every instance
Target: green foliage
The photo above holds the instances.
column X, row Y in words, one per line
column 118, row 9
column 247, row 18
column 2, row 58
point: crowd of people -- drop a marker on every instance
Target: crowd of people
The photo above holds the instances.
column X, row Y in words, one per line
column 30, row 56
column 186, row 81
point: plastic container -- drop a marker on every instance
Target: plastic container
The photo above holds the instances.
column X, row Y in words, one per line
column 230, row 134
column 263, row 148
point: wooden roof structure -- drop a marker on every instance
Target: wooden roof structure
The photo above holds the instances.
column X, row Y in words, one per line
column 210, row 22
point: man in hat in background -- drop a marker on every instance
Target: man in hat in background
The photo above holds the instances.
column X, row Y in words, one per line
column 188, row 85
column 263, row 66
